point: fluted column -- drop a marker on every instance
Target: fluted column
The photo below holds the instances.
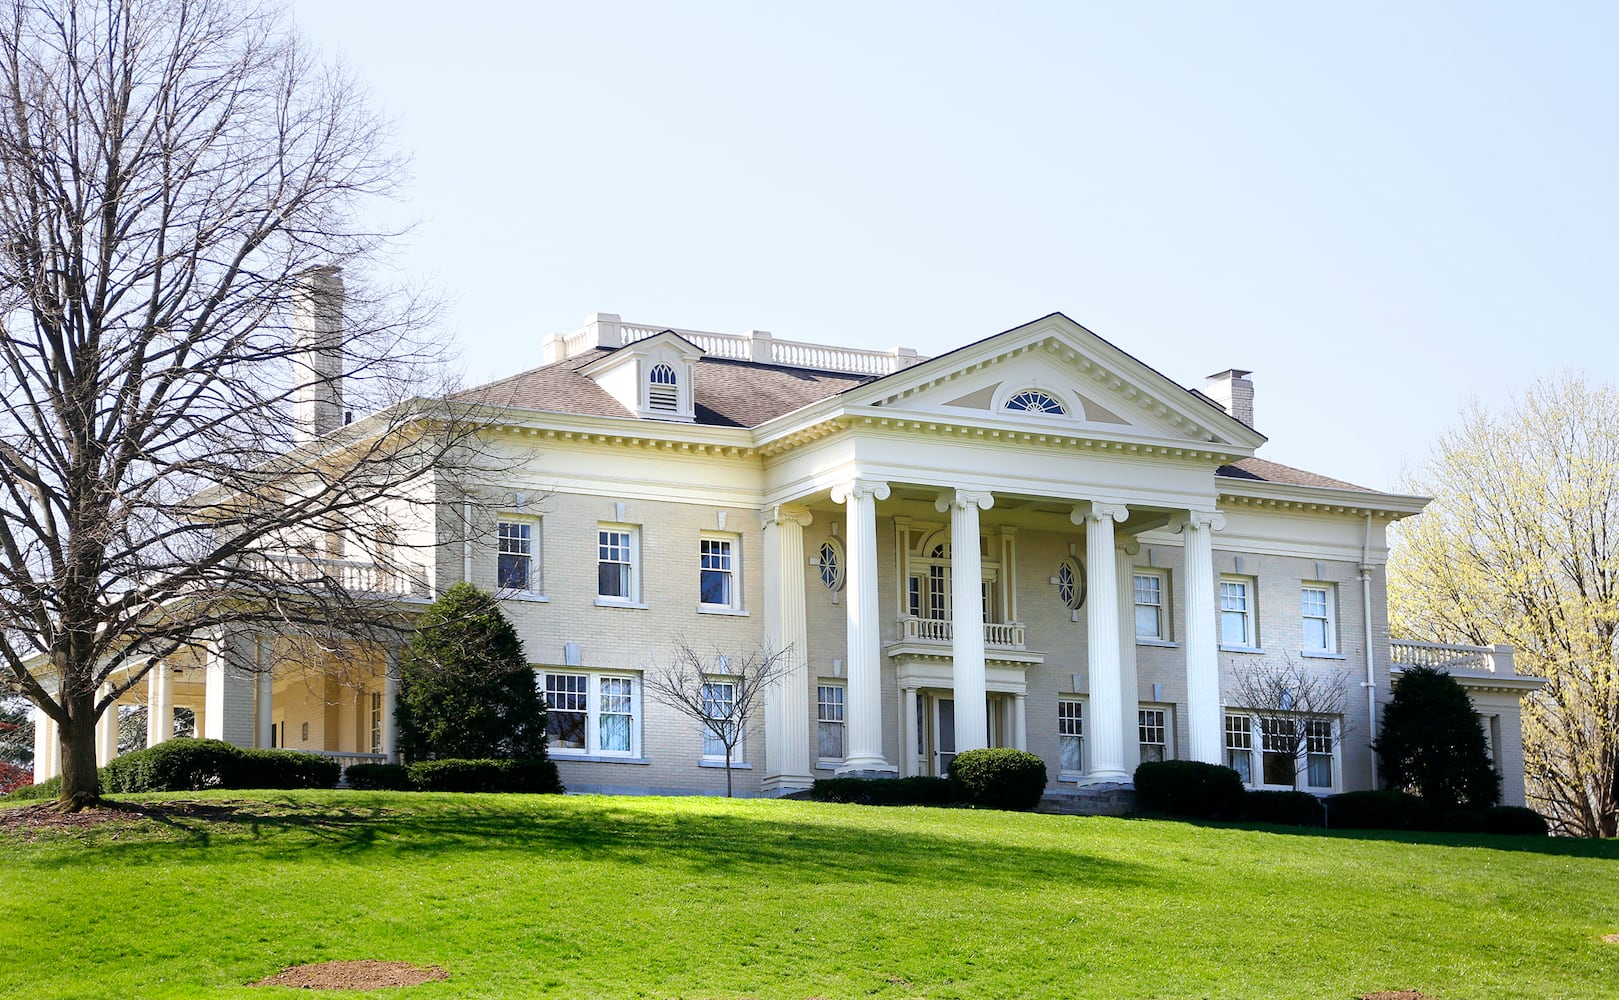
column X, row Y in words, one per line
column 1130, row 692
column 907, row 733
column 1106, row 735
column 864, row 711
column 967, row 615
column 1020, row 722
column 263, row 705
column 787, row 712
column 159, row 704
column 106, row 729
column 1204, row 738
column 45, row 740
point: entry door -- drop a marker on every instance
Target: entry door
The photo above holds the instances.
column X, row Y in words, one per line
column 944, row 735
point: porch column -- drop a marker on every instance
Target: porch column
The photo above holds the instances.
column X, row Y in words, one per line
column 907, row 733
column 787, row 729
column 1020, row 722
column 864, row 710
column 106, row 729
column 159, row 704
column 967, row 615
column 228, row 700
column 1204, row 738
column 263, row 705
column 1102, row 637
column 390, row 702
column 45, row 740
column 1130, row 690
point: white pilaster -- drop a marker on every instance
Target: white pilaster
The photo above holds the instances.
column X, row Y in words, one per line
column 1125, row 555
column 967, row 615
column 159, row 704
column 1106, row 737
column 1205, row 729
column 787, row 712
column 106, row 729
column 390, row 702
column 864, row 711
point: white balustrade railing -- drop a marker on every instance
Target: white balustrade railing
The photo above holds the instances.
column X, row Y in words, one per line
column 939, row 630
column 1450, row 656
column 352, row 575
column 608, row 331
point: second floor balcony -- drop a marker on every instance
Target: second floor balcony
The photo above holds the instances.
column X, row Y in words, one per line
column 1000, row 635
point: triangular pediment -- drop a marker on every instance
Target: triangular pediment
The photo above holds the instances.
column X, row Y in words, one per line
column 1058, row 377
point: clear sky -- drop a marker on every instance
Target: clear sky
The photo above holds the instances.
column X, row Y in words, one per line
column 1384, row 210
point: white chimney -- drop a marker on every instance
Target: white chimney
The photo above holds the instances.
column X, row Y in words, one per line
column 1233, row 390
column 317, row 361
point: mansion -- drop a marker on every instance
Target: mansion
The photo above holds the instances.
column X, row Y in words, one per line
column 1034, row 541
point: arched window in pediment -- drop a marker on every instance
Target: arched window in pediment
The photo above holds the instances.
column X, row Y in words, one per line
column 1035, row 401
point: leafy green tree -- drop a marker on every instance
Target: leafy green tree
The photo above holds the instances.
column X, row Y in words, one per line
column 1519, row 546
column 465, row 688
column 1431, row 743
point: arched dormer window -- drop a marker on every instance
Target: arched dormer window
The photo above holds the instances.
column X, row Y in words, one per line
column 1035, row 401
column 663, row 388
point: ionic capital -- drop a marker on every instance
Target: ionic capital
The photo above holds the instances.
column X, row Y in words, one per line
column 1200, row 520
column 1127, row 545
column 982, row 499
column 780, row 512
column 860, row 489
column 1096, row 510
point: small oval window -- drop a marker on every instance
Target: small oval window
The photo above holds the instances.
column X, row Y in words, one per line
column 830, row 565
column 1071, row 584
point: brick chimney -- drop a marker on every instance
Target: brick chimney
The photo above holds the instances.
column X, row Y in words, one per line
column 317, row 361
column 1233, row 390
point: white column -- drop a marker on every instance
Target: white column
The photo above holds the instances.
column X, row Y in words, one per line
column 1130, row 691
column 967, row 615
column 390, row 702
column 1020, row 722
column 907, row 733
column 788, row 767
column 864, row 710
column 263, row 705
column 1205, row 736
column 159, row 704
column 1106, row 737
column 228, row 700
column 44, row 744
column 106, row 729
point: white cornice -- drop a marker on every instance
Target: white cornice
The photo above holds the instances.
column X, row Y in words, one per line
column 1236, row 494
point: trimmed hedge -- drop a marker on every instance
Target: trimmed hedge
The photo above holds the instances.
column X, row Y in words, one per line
column 1515, row 821
column 1189, row 789
column 998, row 778
column 378, row 777
column 1283, row 808
column 485, row 776
column 1378, row 810
column 188, row 765
column 915, row 791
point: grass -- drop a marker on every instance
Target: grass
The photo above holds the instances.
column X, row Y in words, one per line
column 588, row 897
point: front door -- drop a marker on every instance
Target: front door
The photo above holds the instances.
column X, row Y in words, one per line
column 944, row 735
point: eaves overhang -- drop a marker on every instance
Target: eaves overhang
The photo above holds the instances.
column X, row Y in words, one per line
column 1235, row 493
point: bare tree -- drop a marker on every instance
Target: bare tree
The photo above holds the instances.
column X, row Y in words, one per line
column 721, row 693
column 1300, row 709
column 189, row 329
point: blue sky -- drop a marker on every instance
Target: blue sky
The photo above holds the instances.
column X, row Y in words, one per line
column 1384, row 210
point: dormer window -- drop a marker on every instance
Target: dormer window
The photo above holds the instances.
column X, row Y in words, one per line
column 1035, row 401
column 663, row 389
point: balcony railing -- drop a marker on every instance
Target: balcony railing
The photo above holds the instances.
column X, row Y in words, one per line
column 354, row 576
column 1007, row 635
column 1446, row 656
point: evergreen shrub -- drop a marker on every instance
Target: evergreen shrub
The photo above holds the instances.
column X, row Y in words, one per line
column 1189, row 789
column 998, row 778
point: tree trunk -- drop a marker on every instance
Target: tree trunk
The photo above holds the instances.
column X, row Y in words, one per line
column 727, row 770
column 81, row 785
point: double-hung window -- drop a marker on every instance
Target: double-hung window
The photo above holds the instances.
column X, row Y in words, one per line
column 1318, row 753
column 1149, row 593
column 591, row 713
column 829, row 722
column 717, row 573
column 1239, row 746
column 376, row 722
column 1153, row 727
column 1071, row 736
column 514, row 561
column 719, row 727
column 1237, row 619
column 617, row 549
column 1320, row 614
column 1293, row 751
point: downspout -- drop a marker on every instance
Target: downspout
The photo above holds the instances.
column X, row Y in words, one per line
column 1370, row 683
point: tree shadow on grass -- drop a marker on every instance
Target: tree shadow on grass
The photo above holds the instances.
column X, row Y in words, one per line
column 1566, row 847
column 705, row 842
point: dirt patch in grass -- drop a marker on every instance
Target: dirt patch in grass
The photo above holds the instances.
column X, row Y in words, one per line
column 1395, row 995
column 1610, row 938
column 356, row 975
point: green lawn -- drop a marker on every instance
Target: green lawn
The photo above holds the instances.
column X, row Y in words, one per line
column 583, row 897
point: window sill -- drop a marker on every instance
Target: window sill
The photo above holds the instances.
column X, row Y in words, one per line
column 1253, row 650
column 736, row 765
column 522, row 595
column 719, row 609
column 593, row 758
column 1321, row 654
column 1066, row 776
column 614, row 602
column 828, row 764
column 1160, row 643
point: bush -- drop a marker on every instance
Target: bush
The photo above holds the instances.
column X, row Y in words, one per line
column 1514, row 820
column 284, row 769
column 485, row 776
column 998, row 778
column 1189, row 789
column 916, row 791
column 1283, row 808
column 1378, row 810
column 1431, row 743
column 50, row 788
column 378, row 777
column 180, row 765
